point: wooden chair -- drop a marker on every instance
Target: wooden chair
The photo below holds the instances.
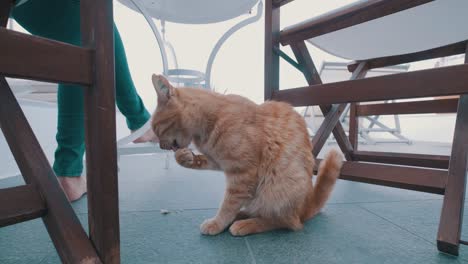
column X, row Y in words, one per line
column 92, row 66
column 445, row 175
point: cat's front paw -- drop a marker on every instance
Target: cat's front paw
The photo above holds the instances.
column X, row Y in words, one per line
column 185, row 157
column 211, row 227
column 242, row 227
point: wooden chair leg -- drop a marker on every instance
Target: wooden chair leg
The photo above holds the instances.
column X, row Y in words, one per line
column 69, row 237
column 353, row 127
column 272, row 31
column 310, row 73
column 5, row 7
column 101, row 149
column 448, row 238
column 451, row 219
column 332, row 114
column 330, row 122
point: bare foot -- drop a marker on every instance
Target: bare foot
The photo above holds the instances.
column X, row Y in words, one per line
column 148, row 136
column 74, row 187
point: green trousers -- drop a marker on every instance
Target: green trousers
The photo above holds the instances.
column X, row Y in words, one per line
column 60, row 20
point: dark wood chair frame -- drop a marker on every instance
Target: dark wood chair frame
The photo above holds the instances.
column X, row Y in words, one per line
column 92, row 66
column 438, row 174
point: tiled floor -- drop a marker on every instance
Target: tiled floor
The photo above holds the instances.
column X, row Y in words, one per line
column 361, row 224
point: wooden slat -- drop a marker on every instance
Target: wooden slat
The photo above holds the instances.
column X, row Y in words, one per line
column 279, row 3
column 19, row 204
column 356, row 14
column 451, row 219
column 433, row 82
column 449, row 50
column 5, row 7
column 272, row 29
column 329, row 123
column 101, row 149
column 359, row 73
column 64, row 228
column 31, row 57
column 410, row 178
column 312, row 77
column 448, row 237
column 403, row 108
column 417, row 179
column 353, row 127
column 409, row 159
column 305, row 60
column 332, row 120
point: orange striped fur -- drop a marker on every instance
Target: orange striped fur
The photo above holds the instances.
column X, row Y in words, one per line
column 264, row 151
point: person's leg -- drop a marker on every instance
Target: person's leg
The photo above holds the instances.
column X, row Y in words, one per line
column 128, row 100
column 59, row 20
column 53, row 19
column 68, row 163
column 35, row 16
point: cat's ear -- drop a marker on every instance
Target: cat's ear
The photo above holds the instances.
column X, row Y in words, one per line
column 163, row 88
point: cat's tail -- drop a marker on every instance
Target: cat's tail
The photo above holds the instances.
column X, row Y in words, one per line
column 328, row 172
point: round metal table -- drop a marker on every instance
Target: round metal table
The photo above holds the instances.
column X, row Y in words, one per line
column 194, row 12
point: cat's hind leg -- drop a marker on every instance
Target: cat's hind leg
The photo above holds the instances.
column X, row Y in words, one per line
column 260, row 225
column 251, row 226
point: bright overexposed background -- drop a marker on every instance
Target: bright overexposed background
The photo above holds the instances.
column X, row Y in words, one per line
column 239, row 65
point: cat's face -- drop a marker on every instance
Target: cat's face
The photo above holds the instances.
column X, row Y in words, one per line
column 167, row 122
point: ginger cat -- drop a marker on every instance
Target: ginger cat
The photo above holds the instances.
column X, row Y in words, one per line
column 264, row 151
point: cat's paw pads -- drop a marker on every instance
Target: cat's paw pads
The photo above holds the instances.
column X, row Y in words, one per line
column 211, row 227
column 241, row 228
column 184, row 157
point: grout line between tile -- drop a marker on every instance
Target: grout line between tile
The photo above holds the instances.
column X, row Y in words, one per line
column 43, row 260
column 392, row 201
column 155, row 210
column 250, row 251
column 402, row 228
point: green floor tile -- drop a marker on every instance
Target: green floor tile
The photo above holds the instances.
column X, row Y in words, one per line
column 26, row 242
column 418, row 217
column 175, row 238
column 362, row 224
column 11, row 182
column 150, row 237
column 152, row 187
column 345, row 234
column 353, row 192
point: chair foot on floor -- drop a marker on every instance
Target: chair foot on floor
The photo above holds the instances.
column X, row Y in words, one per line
column 448, row 248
